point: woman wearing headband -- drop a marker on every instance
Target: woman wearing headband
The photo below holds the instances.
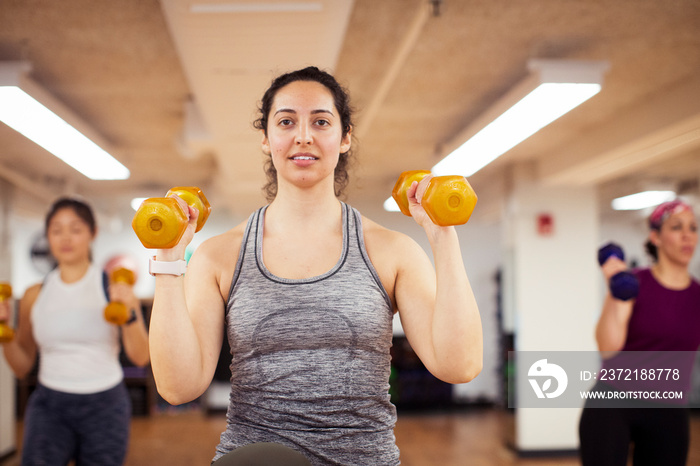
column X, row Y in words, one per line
column 663, row 318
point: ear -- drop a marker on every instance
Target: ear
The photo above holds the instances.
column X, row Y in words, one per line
column 654, row 237
column 265, row 144
column 346, row 142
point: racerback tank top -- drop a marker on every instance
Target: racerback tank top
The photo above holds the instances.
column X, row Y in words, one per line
column 310, row 357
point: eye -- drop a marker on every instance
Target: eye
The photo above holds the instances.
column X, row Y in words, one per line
column 323, row 122
column 285, row 122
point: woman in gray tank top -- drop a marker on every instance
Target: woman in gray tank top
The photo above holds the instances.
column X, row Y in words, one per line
column 306, row 290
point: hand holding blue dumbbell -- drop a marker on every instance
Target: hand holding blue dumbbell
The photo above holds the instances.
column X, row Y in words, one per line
column 623, row 285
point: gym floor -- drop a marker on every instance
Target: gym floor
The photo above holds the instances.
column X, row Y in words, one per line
column 460, row 438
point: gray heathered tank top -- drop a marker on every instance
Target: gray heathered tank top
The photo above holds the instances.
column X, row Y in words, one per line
column 310, row 357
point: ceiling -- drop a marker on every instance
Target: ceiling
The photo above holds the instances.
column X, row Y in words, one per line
column 173, row 88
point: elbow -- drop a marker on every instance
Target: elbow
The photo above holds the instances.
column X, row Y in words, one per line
column 173, row 397
column 469, row 373
column 464, row 374
column 175, row 392
column 140, row 359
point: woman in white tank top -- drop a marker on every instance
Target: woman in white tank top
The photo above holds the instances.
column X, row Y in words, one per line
column 81, row 409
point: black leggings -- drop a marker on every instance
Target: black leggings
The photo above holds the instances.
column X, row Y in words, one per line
column 659, row 436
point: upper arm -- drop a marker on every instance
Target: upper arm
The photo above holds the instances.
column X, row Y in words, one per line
column 209, row 273
column 415, row 292
column 409, row 277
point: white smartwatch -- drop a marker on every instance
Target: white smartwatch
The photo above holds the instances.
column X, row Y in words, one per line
column 176, row 268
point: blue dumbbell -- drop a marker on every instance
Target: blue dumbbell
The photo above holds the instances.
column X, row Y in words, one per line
column 623, row 285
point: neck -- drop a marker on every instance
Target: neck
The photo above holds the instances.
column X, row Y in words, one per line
column 671, row 274
column 72, row 272
column 304, row 205
column 302, row 212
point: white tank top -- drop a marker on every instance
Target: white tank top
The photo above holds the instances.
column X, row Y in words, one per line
column 78, row 349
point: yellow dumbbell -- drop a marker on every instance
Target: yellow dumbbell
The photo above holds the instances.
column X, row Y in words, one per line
column 117, row 313
column 6, row 332
column 160, row 222
column 448, row 200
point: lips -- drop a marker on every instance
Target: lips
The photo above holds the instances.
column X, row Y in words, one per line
column 304, row 157
column 303, row 160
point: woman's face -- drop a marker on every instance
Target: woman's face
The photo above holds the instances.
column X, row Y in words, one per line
column 304, row 134
column 69, row 237
column 677, row 238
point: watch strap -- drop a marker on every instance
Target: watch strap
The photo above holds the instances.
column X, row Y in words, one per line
column 132, row 317
column 176, row 268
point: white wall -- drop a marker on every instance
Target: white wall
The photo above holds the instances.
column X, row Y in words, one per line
column 7, row 392
column 555, row 298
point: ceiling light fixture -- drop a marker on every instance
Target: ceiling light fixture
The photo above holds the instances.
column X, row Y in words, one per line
column 33, row 112
column 552, row 89
column 642, row 200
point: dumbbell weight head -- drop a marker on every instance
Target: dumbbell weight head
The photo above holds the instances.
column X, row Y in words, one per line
column 624, row 286
column 449, row 200
column 6, row 332
column 194, row 197
column 609, row 250
column 123, row 275
column 116, row 313
column 5, row 291
column 401, row 187
column 160, row 222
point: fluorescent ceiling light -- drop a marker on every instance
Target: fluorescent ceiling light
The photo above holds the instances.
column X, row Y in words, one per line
column 259, row 7
column 553, row 88
column 642, row 200
column 30, row 117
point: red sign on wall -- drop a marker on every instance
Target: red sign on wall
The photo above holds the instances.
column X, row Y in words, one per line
column 545, row 225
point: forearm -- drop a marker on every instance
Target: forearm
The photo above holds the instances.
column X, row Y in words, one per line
column 456, row 331
column 135, row 340
column 19, row 359
column 176, row 356
column 611, row 331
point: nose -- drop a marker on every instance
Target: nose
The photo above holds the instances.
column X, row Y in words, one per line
column 303, row 135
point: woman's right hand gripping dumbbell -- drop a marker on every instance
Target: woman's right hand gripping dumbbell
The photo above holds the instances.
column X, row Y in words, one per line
column 169, row 223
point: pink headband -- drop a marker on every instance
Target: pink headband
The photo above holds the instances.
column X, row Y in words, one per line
column 665, row 210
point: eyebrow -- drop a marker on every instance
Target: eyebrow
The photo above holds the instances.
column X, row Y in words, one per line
column 313, row 112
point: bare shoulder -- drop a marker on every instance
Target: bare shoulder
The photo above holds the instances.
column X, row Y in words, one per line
column 31, row 293
column 29, row 298
column 223, row 246
column 380, row 238
column 218, row 255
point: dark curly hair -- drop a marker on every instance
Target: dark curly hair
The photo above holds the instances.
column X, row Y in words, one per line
column 342, row 104
column 82, row 209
